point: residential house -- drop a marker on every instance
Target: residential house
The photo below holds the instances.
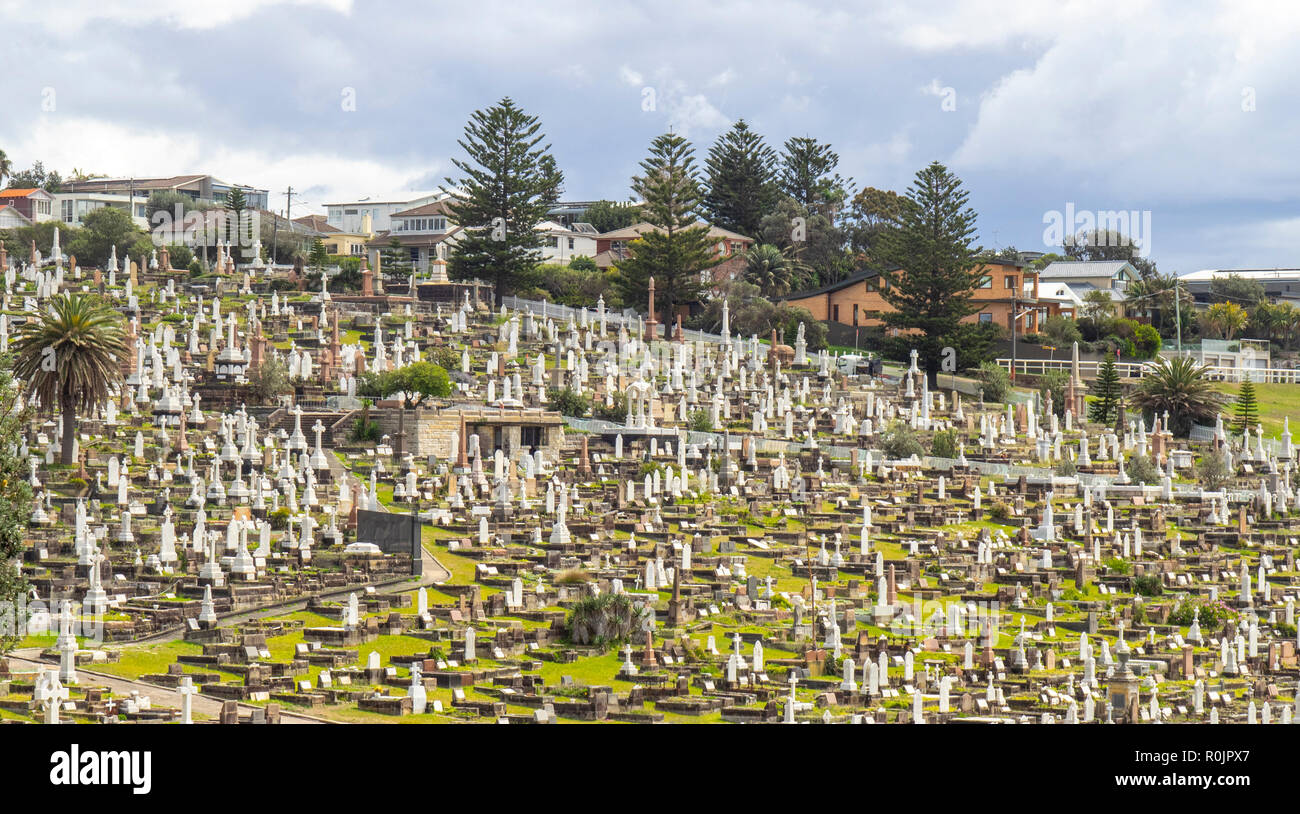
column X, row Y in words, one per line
column 11, row 218
column 425, row 233
column 730, row 246
column 33, row 203
column 1085, row 276
column 73, row 207
column 561, row 243
column 1006, row 288
column 337, row 241
column 1280, row 284
column 375, row 215
column 202, row 188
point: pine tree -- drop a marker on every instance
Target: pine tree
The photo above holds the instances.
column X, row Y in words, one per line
column 679, row 248
column 741, row 180
column 933, row 267
column 319, row 255
column 509, row 184
column 1246, row 409
column 1107, row 390
column 808, row 174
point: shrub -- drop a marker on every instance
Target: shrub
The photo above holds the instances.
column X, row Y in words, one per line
column 1146, row 340
column 699, row 421
column 1212, row 471
column 996, row 381
column 568, row 401
column 1066, row 468
column 1211, row 614
column 898, row 441
column 1148, row 585
column 572, row 576
column 944, row 444
column 602, row 620
column 366, row 430
column 1062, row 332
column 279, row 518
column 617, row 413
column 998, row 510
column 1118, row 566
column 1141, row 470
column 584, row 263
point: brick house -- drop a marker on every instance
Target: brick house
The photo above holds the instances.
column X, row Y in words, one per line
column 858, row 301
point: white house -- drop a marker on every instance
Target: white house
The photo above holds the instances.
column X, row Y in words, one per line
column 11, row 218
column 561, row 244
column 347, row 216
column 72, row 207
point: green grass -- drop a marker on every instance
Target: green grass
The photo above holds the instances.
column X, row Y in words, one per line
column 1276, row 402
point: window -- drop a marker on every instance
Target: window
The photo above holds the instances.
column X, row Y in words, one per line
column 67, row 210
column 530, row 437
column 855, row 314
column 835, row 313
column 986, row 281
column 439, row 224
column 349, row 211
column 415, row 255
column 570, row 244
column 1009, row 282
column 985, row 316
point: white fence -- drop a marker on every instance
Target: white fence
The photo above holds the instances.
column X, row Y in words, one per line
column 1088, row 369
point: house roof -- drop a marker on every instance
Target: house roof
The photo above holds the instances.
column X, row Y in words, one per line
column 637, row 229
column 1082, row 269
column 317, row 222
column 24, row 192
column 383, row 240
column 7, row 209
column 841, row 285
column 434, row 208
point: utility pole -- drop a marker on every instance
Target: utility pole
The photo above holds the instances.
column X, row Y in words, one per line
column 1178, row 316
column 275, row 226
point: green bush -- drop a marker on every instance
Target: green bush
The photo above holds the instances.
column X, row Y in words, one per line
column 1066, row 468
column 996, row 381
column 944, row 444
column 1141, row 470
column 1118, row 566
column 365, row 430
column 1146, row 340
column 617, row 413
column 279, row 518
column 1148, row 585
column 1212, row 615
column 1213, row 472
column 998, row 510
column 568, row 401
column 899, row 441
column 699, row 421
column 602, row 620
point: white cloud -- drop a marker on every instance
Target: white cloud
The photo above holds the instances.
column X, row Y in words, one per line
column 74, row 16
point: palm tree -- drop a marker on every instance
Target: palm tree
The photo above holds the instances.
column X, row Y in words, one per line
column 6, row 168
column 1227, row 319
column 1178, row 387
column 773, row 271
column 68, row 357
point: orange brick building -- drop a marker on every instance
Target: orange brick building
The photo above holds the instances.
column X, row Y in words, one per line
column 858, row 301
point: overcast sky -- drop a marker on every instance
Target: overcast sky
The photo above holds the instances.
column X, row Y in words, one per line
column 1186, row 110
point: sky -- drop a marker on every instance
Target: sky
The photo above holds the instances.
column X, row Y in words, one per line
column 1180, row 112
